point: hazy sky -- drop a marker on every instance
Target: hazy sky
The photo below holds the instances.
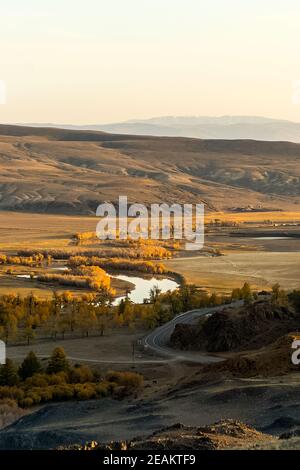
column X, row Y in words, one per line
column 97, row 61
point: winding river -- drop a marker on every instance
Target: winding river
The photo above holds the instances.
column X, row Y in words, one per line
column 143, row 286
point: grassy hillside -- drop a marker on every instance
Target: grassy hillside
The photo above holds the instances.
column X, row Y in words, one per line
column 67, row 171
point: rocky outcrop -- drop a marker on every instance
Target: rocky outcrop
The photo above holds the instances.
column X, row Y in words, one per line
column 222, row 435
column 270, row 361
column 249, row 327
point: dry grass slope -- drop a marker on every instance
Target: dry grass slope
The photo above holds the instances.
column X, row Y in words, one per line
column 66, row 171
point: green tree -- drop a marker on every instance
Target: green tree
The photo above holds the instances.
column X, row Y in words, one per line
column 30, row 366
column 58, row 362
column 8, row 374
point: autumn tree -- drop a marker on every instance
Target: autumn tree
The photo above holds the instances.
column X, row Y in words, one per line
column 243, row 293
column 246, row 293
column 278, row 295
column 9, row 322
column 58, row 362
column 86, row 318
column 28, row 332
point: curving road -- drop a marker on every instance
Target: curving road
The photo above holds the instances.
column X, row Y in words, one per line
column 158, row 341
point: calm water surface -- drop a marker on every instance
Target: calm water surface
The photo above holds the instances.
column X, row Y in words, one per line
column 142, row 287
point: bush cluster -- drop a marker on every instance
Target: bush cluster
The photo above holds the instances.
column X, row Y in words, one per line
column 118, row 264
column 30, row 385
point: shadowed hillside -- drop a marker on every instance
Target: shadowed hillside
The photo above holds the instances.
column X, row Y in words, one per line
column 234, row 329
column 67, row 171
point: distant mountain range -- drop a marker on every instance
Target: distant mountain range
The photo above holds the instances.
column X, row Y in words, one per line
column 202, row 127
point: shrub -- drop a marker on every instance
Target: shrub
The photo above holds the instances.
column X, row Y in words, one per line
column 101, row 390
column 85, row 391
column 8, row 402
column 57, row 379
column 46, row 394
column 26, row 402
column 63, row 392
column 14, row 393
column 78, row 382
column 81, row 374
column 126, row 379
column 38, row 380
column 35, row 397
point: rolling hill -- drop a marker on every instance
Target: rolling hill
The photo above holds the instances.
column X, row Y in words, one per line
column 70, row 171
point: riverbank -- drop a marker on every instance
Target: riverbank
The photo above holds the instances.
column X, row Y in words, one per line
column 143, row 285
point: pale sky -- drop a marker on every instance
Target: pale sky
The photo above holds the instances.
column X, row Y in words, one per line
column 100, row 61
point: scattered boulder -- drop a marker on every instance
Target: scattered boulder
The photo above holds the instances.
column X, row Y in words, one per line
column 225, row 434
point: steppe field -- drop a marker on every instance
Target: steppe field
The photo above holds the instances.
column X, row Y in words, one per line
column 261, row 270
column 262, row 263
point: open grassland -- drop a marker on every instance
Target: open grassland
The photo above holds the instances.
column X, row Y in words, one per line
column 261, row 270
column 254, row 217
column 99, row 350
column 21, row 230
column 260, row 263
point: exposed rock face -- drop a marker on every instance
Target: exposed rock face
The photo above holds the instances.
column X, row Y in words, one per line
column 269, row 361
column 222, row 435
column 248, row 327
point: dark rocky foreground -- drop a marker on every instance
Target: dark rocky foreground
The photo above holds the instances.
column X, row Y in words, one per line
column 71, row 422
column 269, row 406
column 221, row 435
